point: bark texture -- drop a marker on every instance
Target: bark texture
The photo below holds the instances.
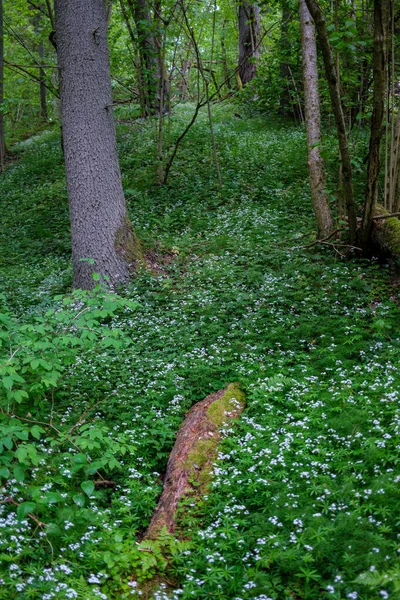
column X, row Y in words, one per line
column 284, row 67
column 385, row 234
column 334, row 91
column 2, row 135
column 100, row 226
column 193, row 453
column 316, row 167
column 249, row 33
column 381, row 21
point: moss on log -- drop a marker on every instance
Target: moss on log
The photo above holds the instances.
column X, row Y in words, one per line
column 189, row 464
column 189, row 472
column 386, row 233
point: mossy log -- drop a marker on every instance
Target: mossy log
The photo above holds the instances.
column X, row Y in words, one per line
column 190, row 462
column 386, row 233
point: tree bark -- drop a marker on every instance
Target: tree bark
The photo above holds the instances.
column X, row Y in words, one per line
column 381, row 21
column 150, row 51
column 316, row 165
column 249, row 33
column 2, row 134
column 190, row 462
column 284, row 73
column 42, row 87
column 334, row 91
column 100, row 226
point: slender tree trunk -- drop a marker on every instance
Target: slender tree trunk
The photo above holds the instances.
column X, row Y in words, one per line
column 100, row 226
column 160, row 42
column 249, row 33
column 42, row 87
column 394, row 202
column 381, row 21
column 184, row 82
column 316, row 165
column 284, row 73
column 151, row 71
column 334, row 91
column 224, row 58
column 2, row 134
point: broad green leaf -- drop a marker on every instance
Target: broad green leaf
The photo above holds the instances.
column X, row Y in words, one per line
column 4, row 472
column 88, row 487
column 25, row 508
column 79, row 499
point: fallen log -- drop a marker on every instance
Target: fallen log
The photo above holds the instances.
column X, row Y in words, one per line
column 190, row 463
column 386, row 232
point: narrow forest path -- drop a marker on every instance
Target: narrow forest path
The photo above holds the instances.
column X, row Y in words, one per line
column 305, row 491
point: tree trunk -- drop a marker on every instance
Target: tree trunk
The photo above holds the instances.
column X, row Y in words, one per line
column 381, row 20
column 249, row 33
column 2, row 134
column 284, row 73
column 316, row 165
column 100, row 226
column 224, row 58
column 42, row 88
column 189, row 468
column 334, row 91
column 394, row 199
column 150, row 57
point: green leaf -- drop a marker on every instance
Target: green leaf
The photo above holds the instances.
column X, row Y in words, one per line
column 53, row 497
column 19, row 473
column 4, row 472
column 36, row 431
column 21, row 453
column 79, row 499
column 7, row 442
column 25, row 508
column 54, row 530
column 19, row 395
column 88, row 487
column 8, row 382
column 22, row 434
column 96, row 276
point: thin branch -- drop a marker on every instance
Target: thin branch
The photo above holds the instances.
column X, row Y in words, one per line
column 328, row 237
column 17, row 68
column 90, row 408
column 10, row 500
column 37, row 7
column 379, row 217
column 51, row 15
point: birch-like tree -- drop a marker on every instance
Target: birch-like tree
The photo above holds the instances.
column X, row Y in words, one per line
column 316, row 167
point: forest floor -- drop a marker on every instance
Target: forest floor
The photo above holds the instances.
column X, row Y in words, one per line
column 305, row 494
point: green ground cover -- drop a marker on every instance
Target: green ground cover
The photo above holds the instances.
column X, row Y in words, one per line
column 304, row 501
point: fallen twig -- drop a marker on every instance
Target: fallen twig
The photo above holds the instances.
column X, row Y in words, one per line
column 379, row 217
column 10, row 500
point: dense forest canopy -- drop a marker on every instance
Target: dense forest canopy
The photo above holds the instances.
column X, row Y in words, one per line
column 199, row 343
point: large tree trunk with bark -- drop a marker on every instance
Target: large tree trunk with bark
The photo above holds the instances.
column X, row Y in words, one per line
column 334, row 91
column 381, row 21
column 2, row 134
column 249, row 34
column 100, row 226
column 316, row 167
